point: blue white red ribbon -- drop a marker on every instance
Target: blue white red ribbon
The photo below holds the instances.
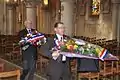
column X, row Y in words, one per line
column 103, row 54
column 32, row 39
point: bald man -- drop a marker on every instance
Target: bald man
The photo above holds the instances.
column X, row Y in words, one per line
column 29, row 55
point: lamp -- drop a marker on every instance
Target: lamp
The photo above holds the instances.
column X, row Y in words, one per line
column 45, row 2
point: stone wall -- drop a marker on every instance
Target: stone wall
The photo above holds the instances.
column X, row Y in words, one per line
column 95, row 26
column 105, row 25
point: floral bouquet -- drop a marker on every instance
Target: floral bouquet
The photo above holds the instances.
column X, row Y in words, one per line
column 70, row 46
column 80, row 47
column 35, row 38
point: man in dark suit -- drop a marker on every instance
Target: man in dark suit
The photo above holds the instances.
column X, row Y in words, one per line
column 58, row 67
column 29, row 53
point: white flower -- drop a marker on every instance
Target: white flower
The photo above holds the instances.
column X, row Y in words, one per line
column 79, row 41
column 81, row 49
column 89, row 46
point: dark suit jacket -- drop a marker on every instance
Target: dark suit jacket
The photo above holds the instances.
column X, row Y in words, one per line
column 31, row 52
column 54, row 65
column 46, row 49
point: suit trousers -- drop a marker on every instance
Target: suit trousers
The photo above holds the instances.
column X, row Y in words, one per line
column 29, row 66
column 58, row 70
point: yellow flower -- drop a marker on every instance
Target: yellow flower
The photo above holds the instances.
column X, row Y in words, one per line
column 75, row 46
column 66, row 44
column 98, row 50
column 70, row 47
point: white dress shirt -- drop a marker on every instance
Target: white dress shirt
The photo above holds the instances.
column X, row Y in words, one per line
column 29, row 30
column 60, row 38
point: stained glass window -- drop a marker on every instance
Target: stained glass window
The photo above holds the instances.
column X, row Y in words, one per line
column 95, row 7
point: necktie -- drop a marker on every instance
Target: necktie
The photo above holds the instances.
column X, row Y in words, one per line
column 61, row 57
column 61, row 39
column 29, row 31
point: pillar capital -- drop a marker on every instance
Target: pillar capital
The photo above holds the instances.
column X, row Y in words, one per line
column 30, row 4
column 9, row 7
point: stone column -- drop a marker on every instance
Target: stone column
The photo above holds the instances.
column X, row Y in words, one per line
column 9, row 24
column 4, row 20
column 116, row 19
column 67, row 7
column 31, row 12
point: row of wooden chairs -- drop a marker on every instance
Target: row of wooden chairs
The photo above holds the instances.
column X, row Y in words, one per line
column 107, row 69
column 12, row 53
column 10, row 48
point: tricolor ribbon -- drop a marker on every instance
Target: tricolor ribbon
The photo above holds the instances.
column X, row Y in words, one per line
column 103, row 53
column 32, row 39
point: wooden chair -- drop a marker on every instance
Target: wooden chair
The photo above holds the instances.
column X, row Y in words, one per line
column 42, row 63
column 12, row 51
column 16, row 53
column 89, row 75
column 2, row 45
column 117, row 69
column 10, row 74
column 8, row 50
column 73, row 68
column 107, row 69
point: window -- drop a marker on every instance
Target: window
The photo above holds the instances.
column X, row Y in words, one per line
column 95, row 7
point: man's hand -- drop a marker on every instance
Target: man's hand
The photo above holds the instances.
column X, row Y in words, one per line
column 62, row 43
column 55, row 54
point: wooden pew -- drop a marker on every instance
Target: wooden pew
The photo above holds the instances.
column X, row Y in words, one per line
column 9, row 74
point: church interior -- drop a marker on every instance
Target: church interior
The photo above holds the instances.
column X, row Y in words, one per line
column 94, row 21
